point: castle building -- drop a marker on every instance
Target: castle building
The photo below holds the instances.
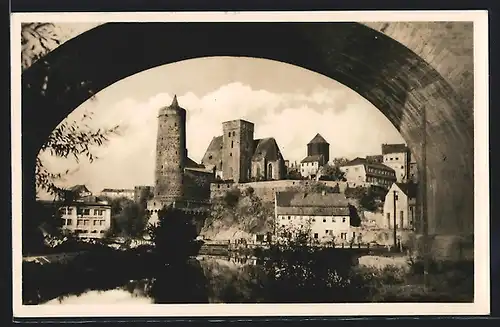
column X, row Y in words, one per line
column 179, row 181
column 236, row 156
column 318, row 154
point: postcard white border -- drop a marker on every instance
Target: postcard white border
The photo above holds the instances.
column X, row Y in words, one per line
column 481, row 305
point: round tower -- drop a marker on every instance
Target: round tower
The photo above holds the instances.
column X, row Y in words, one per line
column 170, row 153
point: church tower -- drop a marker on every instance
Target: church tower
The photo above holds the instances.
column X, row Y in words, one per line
column 237, row 150
column 171, row 154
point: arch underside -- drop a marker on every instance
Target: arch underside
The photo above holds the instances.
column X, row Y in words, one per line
column 402, row 85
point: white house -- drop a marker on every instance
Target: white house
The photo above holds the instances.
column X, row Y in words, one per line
column 324, row 215
column 397, row 156
column 405, row 206
column 310, row 165
column 361, row 171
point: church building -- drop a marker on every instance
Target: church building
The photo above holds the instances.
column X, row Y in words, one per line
column 236, row 156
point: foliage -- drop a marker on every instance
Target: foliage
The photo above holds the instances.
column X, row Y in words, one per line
column 366, row 198
column 332, row 173
column 244, row 210
column 127, row 217
column 294, row 174
column 71, row 139
column 174, row 235
column 339, row 162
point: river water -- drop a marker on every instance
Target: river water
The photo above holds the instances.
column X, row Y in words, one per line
column 203, row 280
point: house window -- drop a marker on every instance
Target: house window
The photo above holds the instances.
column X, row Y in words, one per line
column 282, row 217
column 95, row 222
column 343, row 220
column 234, row 133
column 79, row 222
column 324, row 220
column 86, row 222
column 101, row 222
column 231, row 154
column 229, row 135
column 401, row 218
column 288, row 217
column 68, row 222
column 315, row 235
column 388, row 219
column 282, row 225
column 326, row 231
column 333, row 220
column 70, row 211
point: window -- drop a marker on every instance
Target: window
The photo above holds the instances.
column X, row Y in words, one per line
column 388, row 219
column 234, row 133
column 397, row 158
column 288, row 217
column 94, row 231
column 343, row 219
column 282, row 225
column 315, row 235
column 231, row 154
column 79, row 222
column 102, row 232
column 101, row 222
column 95, row 222
column 232, row 144
column 68, row 222
column 326, row 231
column 86, row 222
column 313, row 220
column 282, row 217
column 62, row 211
column 324, row 220
column 210, row 157
column 402, row 167
column 70, row 211
column 333, row 219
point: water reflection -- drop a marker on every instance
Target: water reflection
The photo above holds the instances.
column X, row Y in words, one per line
column 204, row 279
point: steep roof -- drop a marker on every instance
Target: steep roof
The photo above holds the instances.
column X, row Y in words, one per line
column 310, row 199
column 79, row 188
column 356, row 162
column 410, row 189
column 213, row 155
column 117, row 190
column 312, row 204
column 394, row 148
column 314, row 158
column 190, row 163
column 266, row 148
column 318, row 139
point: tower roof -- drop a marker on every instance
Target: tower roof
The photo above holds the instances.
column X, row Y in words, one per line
column 174, row 101
column 318, row 139
column 173, row 106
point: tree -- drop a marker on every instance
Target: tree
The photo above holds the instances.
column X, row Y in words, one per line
column 127, row 218
column 71, row 139
column 339, row 162
column 332, row 173
column 174, row 235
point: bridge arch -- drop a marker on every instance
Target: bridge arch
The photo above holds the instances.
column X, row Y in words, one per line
column 407, row 86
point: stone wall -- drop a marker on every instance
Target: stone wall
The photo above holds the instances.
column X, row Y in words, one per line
column 266, row 189
column 170, row 154
column 197, row 184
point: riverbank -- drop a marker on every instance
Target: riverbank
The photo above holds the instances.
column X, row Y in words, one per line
column 271, row 277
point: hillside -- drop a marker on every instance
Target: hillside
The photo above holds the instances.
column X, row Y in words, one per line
column 238, row 214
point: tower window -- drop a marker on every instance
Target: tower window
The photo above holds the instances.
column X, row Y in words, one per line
column 231, row 154
column 232, row 144
column 234, row 133
column 229, row 134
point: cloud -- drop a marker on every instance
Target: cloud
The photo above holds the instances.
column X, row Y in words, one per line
column 349, row 123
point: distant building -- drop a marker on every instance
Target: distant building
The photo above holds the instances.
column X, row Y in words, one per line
column 318, row 154
column 405, row 206
column 86, row 219
column 325, row 215
column 237, row 156
column 79, row 191
column 398, row 157
column 114, row 193
column 360, row 170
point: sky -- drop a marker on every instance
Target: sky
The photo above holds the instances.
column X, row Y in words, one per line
column 286, row 102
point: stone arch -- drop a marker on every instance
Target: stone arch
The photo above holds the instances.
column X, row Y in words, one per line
column 407, row 78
